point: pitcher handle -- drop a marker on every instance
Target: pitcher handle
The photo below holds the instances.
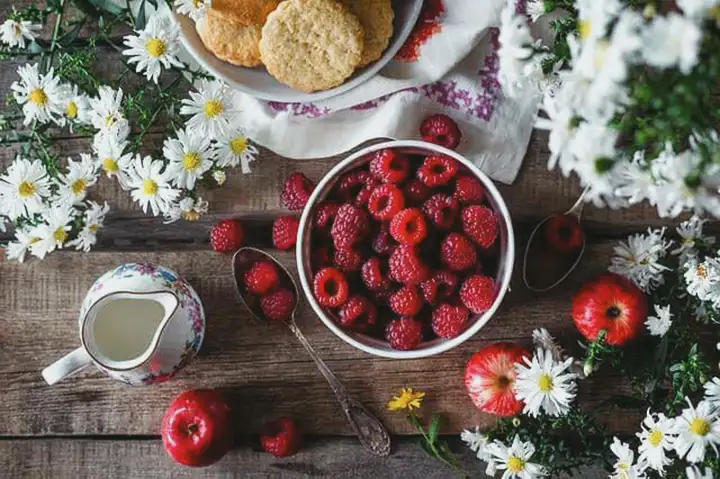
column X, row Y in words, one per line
column 66, row 366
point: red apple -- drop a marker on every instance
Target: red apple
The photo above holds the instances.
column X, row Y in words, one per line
column 489, row 378
column 196, row 428
column 611, row 303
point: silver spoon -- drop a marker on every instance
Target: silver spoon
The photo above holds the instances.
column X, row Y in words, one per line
column 576, row 211
column 370, row 430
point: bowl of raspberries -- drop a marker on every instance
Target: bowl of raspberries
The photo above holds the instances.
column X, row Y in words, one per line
column 405, row 249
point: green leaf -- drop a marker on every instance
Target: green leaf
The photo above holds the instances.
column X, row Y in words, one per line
column 103, row 5
column 434, row 428
column 140, row 19
column 72, row 35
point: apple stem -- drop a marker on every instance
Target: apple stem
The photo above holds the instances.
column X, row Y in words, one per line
column 192, row 428
column 592, row 352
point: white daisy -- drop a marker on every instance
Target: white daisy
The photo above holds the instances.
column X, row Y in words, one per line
column 14, row 33
column 536, row 9
column 516, row 50
column 52, row 234
column 18, row 248
column 23, row 188
column 691, row 232
column 212, row 108
column 150, row 185
column 712, row 392
column 624, row 467
column 476, row 441
column 232, row 148
column 110, row 157
column 79, row 177
column 189, row 209
column 76, row 106
column 106, row 113
column 515, row 460
column 593, row 145
column 639, row 258
column 560, row 124
column 155, row 47
column 703, row 279
column 696, row 428
column 635, row 180
column 545, row 384
column 672, row 40
column 93, row 221
column 220, row 177
column 195, row 9
column 655, row 441
column 543, row 339
column 659, row 325
column 41, row 96
column 697, row 9
column 190, row 157
column 594, row 17
column 694, row 472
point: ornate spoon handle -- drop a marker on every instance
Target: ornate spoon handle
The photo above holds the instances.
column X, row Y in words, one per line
column 370, row 431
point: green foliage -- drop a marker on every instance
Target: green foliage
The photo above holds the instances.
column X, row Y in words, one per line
column 432, row 444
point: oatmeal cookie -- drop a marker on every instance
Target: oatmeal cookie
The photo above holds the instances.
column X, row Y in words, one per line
column 230, row 41
column 376, row 18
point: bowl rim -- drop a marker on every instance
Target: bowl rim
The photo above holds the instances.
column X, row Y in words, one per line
column 444, row 345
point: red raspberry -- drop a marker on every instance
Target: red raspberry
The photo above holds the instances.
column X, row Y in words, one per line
column 416, row 191
column 383, row 243
column 382, row 298
column 321, row 256
column 330, row 288
column 278, row 305
column 296, row 191
column 408, row 226
column 284, row 234
column 349, row 227
column 389, row 166
column 374, row 275
column 477, row 293
column 406, row 266
column 406, row 301
column 352, row 183
column 358, row 314
column 442, row 210
column 480, row 224
column 437, row 170
column 441, row 130
column 227, row 236
column 280, row 438
column 449, row 321
column 442, row 285
column 457, row 252
column 564, row 234
column 261, row 277
column 363, row 198
column 404, row 333
column 385, row 202
column 324, row 216
column 469, row 190
column 347, row 259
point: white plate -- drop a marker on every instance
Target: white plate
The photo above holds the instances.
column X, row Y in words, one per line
column 260, row 84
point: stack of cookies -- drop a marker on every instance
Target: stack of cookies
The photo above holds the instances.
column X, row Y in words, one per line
column 309, row 45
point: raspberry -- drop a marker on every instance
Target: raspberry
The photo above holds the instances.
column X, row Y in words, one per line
column 352, row 183
column 284, row 234
column 324, row 216
column 406, row 266
column 477, row 293
column 374, row 275
column 278, row 305
column 349, row 227
column 347, row 259
column 385, row 202
column 404, row 333
column 390, row 166
column 442, row 210
column 469, row 190
column 383, row 243
column 280, row 438
column 363, row 197
column 416, row 191
column 227, row 236
column 480, row 225
column 441, row 130
column 449, row 321
column 330, row 288
column 358, row 314
column 261, row 277
column 406, row 301
column 457, row 252
column 440, row 286
column 437, row 170
column 321, row 256
column 296, row 191
column 408, row 227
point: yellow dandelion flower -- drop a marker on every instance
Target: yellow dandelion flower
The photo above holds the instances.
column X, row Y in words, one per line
column 407, row 399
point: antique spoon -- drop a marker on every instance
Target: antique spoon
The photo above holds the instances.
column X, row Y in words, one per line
column 370, row 430
column 576, row 211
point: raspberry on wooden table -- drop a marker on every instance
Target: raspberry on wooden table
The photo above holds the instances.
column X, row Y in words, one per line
column 261, row 277
column 442, row 210
column 347, row 259
column 358, row 314
column 284, row 234
column 406, row 266
column 441, row 130
column 480, row 224
column 280, row 438
column 448, row 321
column 469, row 190
column 477, row 293
column 441, row 285
column 406, row 301
column 227, row 236
column 389, row 166
column 374, row 274
column 382, row 243
column 385, row 202
column 437, row 170
column 458, row 252
column 350, row 226
column 278, row 305
column 296, row 191
column 409, row 227
column 404, row 333
column 330, row 288
column 416, row 192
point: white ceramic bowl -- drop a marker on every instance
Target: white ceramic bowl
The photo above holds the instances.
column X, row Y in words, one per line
column 260, row 84
column 379, row 347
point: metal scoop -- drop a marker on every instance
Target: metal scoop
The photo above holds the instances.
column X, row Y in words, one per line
column 370, row 430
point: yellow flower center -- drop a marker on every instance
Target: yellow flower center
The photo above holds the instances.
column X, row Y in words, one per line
column 110, row 165
column 60, row 235
column 16, row 29
column 26, row 189
column 190, row 215
column 701, row 271
column 238, row 145
column 34, row 240
column 213, row 108
column 600, row 53
column 699, row 426
column 71, row 110
column 155, row 47
column 38, row 97
column 655, row 438
column 191, row 161
column 78, row 186
column 585, row 29
column 515, row 464
column 110, row 120
column 93, row 228
column 150, row 187
column 196, row 3
column 545, row 383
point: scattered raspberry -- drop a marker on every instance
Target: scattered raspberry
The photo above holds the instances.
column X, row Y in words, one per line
column 284, row 234
column 227, row 236
column 457, row 252
column 385, row 202
column 442, row 210
column 324, row 216
column 389, row 166
column 352, row 183
column 442, row 285
column 347, row 259
column 358, row 314
column 564, row 234
column 404, row 333
column 449, row 321
column 383, row 243
column 321, row 256
column 406, row 266
column 296, row 191
column 406, row 301
column 374, row 275
column 416, row 192
column 477, row 293
column 441, row 130
column 261, row 277
column 278, row 305
column 330, row 288
column 480, row 224
column 469, row 190
column 349, row 227
column 408, row 227
column 280, row 438
column 437, row 170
